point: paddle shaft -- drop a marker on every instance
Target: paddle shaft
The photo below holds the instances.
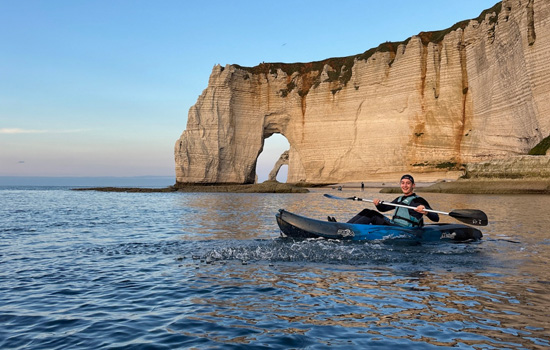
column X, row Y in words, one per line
column 402, row 206
column 470, row 216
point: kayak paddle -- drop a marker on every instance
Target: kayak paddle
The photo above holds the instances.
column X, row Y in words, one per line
column 469, row 216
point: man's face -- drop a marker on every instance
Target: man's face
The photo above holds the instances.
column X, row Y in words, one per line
column 407, row 186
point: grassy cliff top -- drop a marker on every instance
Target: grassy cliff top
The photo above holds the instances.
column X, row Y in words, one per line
column 342, row 65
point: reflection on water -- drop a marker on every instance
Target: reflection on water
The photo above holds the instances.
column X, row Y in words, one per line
column 377, row 305
column 229, row 216
column 183, row 270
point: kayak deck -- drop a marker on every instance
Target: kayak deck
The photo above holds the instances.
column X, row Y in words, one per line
column 297, row 226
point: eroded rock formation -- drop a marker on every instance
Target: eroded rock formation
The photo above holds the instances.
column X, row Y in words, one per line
column 475, row 92
column 283, row 160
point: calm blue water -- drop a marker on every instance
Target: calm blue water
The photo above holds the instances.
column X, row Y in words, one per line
column 92, row 270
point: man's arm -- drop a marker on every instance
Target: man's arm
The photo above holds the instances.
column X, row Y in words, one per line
column 383, row 207
column 421, row 201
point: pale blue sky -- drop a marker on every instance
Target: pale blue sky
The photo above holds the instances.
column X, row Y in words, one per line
column 102, row 88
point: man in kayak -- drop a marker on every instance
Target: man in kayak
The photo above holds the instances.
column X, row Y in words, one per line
column 402, row 216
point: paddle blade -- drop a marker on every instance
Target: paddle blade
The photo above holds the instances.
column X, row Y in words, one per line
column 341, row 198
column 470, row 216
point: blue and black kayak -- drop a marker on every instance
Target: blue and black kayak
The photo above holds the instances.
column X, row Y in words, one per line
column 297, row 226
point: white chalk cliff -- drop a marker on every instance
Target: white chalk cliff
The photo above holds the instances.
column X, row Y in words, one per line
column 475, row 92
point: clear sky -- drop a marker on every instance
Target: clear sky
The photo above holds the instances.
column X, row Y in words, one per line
column 103, row 87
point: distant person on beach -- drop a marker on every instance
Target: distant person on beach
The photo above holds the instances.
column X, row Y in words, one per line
column 402, row 216
column 362, row 186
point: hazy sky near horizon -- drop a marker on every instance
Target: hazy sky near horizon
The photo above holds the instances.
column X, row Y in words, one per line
column 102, row 88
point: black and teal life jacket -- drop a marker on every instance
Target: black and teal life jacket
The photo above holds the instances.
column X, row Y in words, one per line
column 402, row 216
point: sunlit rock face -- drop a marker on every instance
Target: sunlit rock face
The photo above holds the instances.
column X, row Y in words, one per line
column 475, row 92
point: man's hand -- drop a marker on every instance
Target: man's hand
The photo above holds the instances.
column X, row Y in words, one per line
column 421, row 209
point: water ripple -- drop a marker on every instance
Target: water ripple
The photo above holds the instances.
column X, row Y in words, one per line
column 164, row 271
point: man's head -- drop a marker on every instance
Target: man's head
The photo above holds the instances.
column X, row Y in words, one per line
column 407, row 184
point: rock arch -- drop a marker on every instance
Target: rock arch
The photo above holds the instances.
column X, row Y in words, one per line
column 224, row 138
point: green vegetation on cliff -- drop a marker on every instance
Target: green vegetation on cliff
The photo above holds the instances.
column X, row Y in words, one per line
column 541, row 148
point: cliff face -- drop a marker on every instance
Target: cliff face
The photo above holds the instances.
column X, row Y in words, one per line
column 476, row 92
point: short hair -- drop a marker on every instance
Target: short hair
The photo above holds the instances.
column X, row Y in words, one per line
column 408, row 177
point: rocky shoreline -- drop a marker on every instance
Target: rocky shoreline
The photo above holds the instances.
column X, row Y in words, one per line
column 461, row 186
column 265, row 187
column 492, row 186
column 484, row 186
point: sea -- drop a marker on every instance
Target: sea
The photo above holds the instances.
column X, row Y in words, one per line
column 104, row 270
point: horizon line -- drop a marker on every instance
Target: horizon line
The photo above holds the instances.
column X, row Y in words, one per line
column 88, row 176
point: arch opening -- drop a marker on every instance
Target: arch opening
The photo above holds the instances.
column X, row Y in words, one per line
column 274, row 146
